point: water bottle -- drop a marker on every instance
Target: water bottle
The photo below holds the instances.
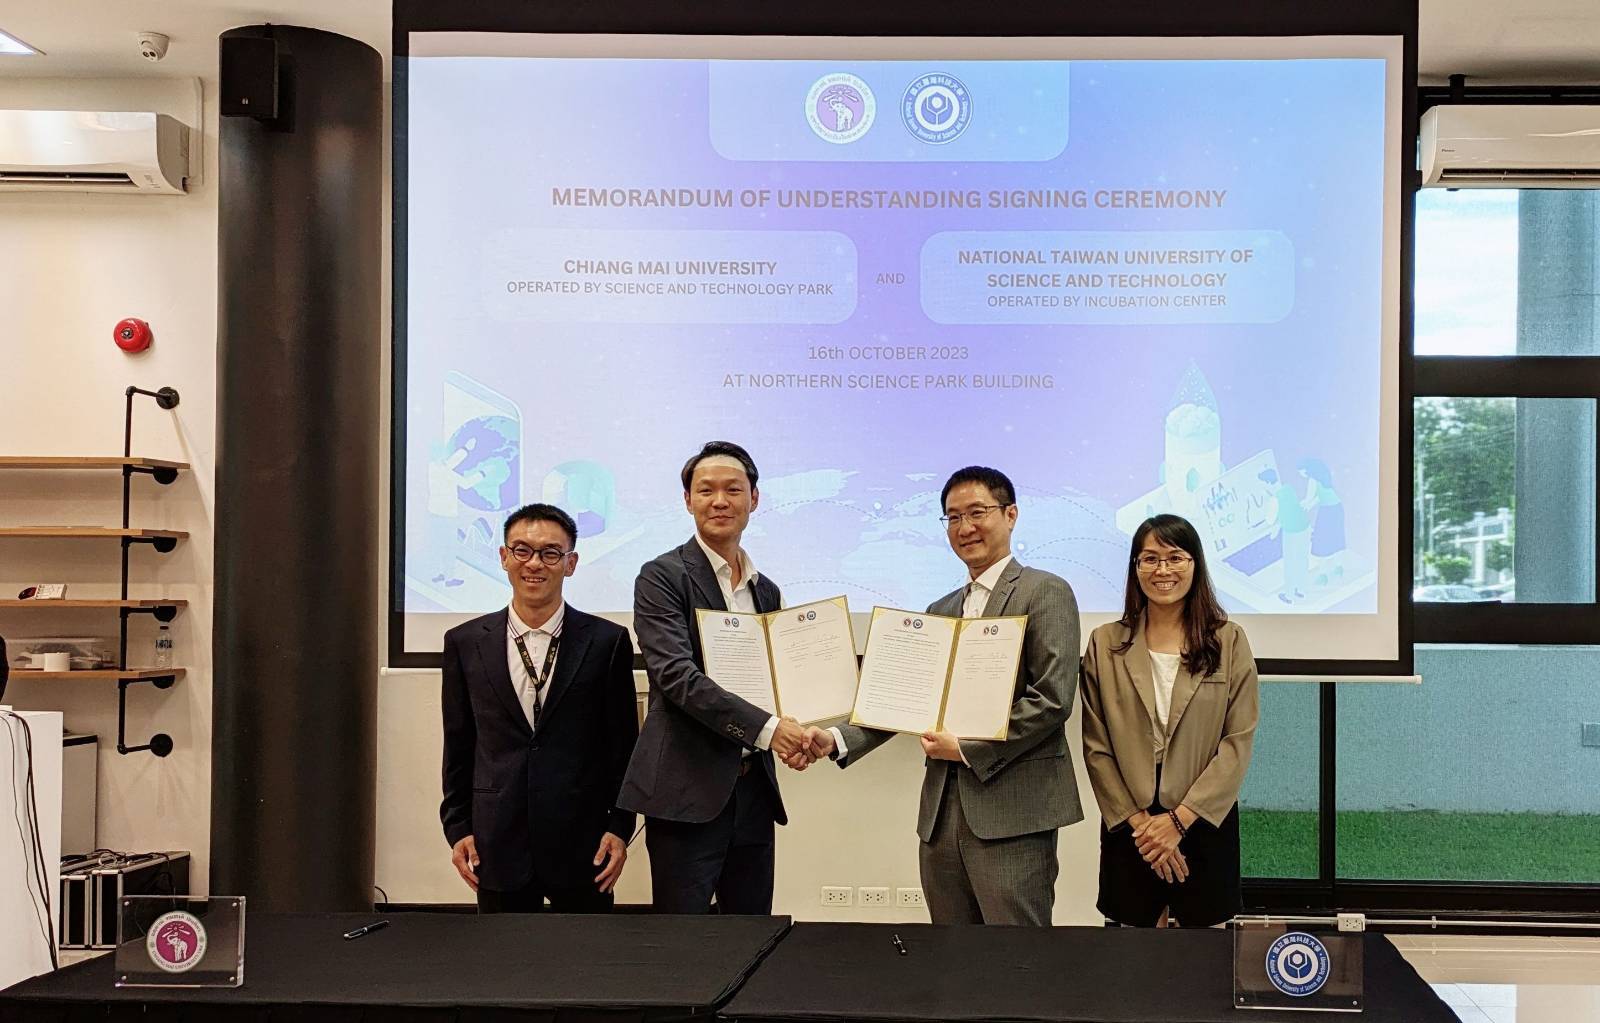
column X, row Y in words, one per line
column 164, row 648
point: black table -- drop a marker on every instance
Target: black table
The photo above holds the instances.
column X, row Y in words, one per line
column 1106, row 975
column 438, row 966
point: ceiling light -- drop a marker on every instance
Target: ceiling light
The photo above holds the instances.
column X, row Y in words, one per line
column 11, row 46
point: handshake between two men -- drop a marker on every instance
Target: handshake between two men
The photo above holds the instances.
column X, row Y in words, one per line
column 1156, row 837
column 799, row 746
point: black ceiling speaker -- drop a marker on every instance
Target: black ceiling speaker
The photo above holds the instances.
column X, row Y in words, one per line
column 249, row 69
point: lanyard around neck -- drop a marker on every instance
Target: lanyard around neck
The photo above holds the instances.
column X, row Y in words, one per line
column 539, row 678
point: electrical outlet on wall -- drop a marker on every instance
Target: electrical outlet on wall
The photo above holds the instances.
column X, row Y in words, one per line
column 874, row 896
column 909, row 898
column 836, row 895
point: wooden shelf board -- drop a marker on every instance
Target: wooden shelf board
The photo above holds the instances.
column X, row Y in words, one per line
column 86, row 673
column 85, row 462
column 42, row 605
column 89, row 532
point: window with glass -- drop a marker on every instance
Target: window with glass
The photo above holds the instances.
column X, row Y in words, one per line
column 1487, row 771
column 1278, row 806
column 1486, row 776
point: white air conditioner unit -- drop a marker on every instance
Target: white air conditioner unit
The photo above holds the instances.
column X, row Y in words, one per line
column 66, row 150
column 1553, row 146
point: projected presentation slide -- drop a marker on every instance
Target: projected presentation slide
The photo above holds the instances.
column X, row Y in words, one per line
column 1133, row 285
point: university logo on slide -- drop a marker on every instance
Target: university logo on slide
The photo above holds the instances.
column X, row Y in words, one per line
column 936, row 108
column 1297, row 964
column 840, row 107
column 176, row 942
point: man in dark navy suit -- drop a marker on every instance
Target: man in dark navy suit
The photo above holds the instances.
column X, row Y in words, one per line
column 702, row 773
column 539, row 723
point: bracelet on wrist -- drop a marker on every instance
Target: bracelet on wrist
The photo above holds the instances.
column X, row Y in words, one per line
column 1182, row 831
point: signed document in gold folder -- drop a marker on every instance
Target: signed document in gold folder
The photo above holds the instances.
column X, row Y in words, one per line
column 927, row 673
column 799, row 662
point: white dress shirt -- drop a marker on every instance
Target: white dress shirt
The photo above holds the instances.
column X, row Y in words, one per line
column 742, row 600
column 978, row 592
column 982, row 588
column 537, row 640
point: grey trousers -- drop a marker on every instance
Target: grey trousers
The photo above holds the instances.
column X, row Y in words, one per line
column 971, row 880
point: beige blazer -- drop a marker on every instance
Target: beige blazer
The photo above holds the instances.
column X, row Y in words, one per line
column 1210, row 727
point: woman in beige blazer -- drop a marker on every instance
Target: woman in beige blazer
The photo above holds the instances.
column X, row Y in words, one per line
column 1169, row 715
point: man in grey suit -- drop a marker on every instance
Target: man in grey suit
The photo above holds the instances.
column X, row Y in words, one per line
column 990, row 810
column 702, row 772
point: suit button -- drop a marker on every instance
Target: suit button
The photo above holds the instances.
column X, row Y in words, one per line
column 534, row 747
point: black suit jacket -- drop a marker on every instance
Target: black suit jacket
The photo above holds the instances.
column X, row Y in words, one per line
column 687, row 760
column 537, row 802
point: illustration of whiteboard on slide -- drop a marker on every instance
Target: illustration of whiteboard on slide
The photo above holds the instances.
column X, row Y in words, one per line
column 24, row 945
column 1266, row 549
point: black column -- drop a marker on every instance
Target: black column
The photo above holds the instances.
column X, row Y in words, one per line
column 294, row 717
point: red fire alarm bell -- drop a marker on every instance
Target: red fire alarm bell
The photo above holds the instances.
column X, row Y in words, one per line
column 132, row 335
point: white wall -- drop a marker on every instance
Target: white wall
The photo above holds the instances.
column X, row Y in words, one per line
column 75, row 264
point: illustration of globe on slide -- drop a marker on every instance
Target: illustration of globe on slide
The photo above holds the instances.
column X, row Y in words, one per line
column 491, row 446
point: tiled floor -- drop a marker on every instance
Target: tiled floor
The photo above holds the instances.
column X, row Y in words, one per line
column 1511, row 978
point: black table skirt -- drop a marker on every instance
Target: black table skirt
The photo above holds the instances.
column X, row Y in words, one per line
column 437, row 967
column 1105, row 975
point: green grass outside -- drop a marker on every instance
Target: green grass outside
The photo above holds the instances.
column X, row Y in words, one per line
column 1427, row 845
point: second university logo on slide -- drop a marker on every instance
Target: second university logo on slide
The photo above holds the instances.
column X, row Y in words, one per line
column 840, row 108
column 1298, row 964
column 176, row 942
column 936, row 108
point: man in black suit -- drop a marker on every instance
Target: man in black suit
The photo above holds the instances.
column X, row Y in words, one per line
column 702, row 773
column 539, row 722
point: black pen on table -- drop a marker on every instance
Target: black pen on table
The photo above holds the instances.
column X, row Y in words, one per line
column 376, row 925
column 899, row 945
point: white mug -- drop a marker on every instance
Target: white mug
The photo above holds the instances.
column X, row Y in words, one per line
column 60, row 661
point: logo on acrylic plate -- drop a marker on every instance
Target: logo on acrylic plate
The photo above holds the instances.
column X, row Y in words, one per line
column 176, row 942
column 1298, row 965
column 936, row 108
column 840, row 107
